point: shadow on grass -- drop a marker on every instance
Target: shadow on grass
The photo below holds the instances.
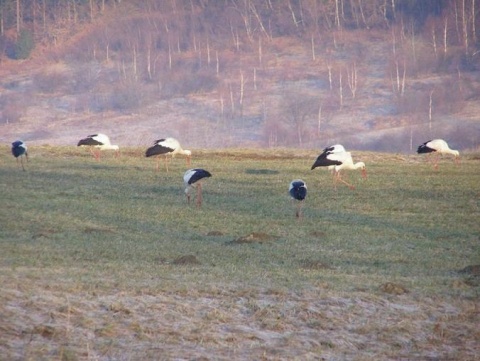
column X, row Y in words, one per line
column 261, row 171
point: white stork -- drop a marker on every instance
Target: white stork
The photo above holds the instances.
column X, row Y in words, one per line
column 193, row 179
column 438, row 146
column 298, row 192
column 168, row 147
column 98, row 142
column 19, row 149
column 339, row 161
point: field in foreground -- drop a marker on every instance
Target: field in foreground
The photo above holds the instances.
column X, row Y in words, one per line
column 106, row 261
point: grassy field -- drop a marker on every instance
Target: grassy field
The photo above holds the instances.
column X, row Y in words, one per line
column 104, row 260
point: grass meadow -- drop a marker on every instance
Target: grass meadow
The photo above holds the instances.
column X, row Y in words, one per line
column 105, row 260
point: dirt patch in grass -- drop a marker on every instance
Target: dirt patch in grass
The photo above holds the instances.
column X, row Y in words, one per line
column 318, row 234
column 261, row 171
column 215, row 233
column 313, row 265
column 98, row 229
column 44, row 233
column 254, row 237
column 187, row 260
column 472, row 270
column 393, row 288
column 472, row 275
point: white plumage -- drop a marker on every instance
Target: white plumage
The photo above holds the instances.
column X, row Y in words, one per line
column 193, row 179
column 337, row 148
column 438, row 147
column 337, row 159
column 168, row 147
column 97, row 143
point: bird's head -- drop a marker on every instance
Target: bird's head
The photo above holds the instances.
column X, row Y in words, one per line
column 363, row 169
column 187, row 192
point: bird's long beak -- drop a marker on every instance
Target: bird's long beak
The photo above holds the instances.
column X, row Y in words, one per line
column 364, row 173
column 188, row 159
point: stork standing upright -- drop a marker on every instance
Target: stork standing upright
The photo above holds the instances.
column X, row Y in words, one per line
column 338, row 161
column 168, row 147
column 97, row 143
column 298, row 192
column 193, row 179
column 438, row 147
column 19, row 150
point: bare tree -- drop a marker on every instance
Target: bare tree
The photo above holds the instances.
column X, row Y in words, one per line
column 18, row 16
column 352, row 79
column 430, row 110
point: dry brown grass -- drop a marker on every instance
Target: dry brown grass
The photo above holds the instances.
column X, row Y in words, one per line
column 65, row 321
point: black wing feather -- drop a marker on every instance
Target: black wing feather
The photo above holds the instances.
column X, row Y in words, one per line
column 158, row 149
column 199, row 174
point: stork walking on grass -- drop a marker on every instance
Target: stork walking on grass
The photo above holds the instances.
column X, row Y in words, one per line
column 298, row 192
column 338, row 161
column 168, row 147
column 19, row 150
column 437, row 147
column 193, row 180
column 97, row 143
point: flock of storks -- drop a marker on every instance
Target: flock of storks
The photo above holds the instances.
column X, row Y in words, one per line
column 335, row 158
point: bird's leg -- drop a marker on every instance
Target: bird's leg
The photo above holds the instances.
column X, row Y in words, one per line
column 436, row 160
column 432, row 158
column 335, row 176
column 344, row 182
column 335, row 182
column 299, row 213
column 158, row 161
column 199, row 195
column 166, row 163
column 21, row 161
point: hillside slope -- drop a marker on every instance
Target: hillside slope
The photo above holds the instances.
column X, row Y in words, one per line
column 296, row 90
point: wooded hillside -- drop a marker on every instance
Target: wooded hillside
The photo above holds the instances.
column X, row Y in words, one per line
column 382, row 74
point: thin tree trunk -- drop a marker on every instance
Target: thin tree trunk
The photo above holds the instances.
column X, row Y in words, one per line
column 18, row 17
column 430, row 111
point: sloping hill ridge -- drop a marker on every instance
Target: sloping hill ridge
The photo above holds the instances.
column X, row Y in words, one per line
column 291, row 99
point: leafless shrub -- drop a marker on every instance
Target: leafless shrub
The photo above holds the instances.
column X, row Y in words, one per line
column 11, row 108
column 183, row 83
column 50, row 82
column 414, row 101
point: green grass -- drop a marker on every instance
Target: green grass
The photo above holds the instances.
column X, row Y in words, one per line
column 118, row 217
column 90, row 259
